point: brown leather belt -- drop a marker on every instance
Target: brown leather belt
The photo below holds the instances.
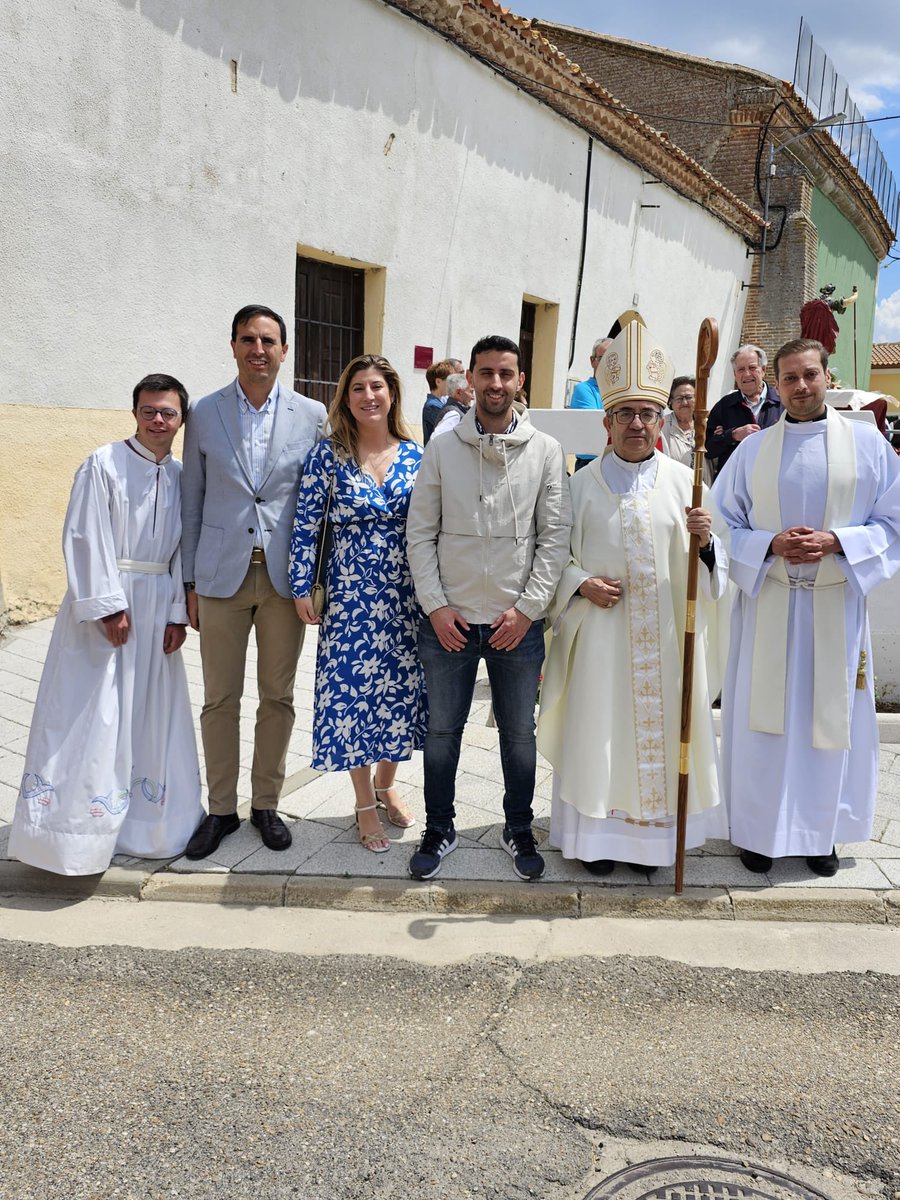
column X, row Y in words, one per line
column 257, row 558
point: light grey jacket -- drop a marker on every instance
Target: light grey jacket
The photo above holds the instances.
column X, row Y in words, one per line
column 489, row 521
column 220, row 506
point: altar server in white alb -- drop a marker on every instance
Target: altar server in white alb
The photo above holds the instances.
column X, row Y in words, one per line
column 610, row 720
column 111, row 765
column 814, row 509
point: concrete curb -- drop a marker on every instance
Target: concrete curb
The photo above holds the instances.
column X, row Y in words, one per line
column 888, row 727
column 217, row 887
column 490, row 898
column 116, row 883
column 357, row 895
column 456, row 897
column 811, row 904
column 711, row 903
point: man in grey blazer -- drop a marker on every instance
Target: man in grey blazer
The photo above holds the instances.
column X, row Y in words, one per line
column 243, row 457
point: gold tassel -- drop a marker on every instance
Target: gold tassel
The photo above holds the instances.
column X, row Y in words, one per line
column 861, row 671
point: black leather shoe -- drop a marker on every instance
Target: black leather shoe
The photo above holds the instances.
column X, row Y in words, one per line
column 825, row 865
column 599, row 866
column 640, row 869
column 757, row 863
column 209, row 833
column 273, row 831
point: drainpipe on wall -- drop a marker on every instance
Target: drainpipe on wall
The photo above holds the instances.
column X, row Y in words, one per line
column 584, row 225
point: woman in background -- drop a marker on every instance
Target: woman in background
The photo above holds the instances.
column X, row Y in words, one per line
column 370, row 710
column 678, row 427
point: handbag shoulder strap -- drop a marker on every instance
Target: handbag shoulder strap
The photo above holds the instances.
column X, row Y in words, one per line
column 322, row 546
column 330, row 492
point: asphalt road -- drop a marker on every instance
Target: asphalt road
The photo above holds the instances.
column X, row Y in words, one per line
column 229, row 1074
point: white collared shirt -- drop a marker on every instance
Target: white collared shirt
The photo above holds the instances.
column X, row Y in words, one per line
column 623, row 477
column 256, row 434
column 756, row 405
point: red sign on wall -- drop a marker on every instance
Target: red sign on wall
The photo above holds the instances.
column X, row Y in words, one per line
column 423, row 357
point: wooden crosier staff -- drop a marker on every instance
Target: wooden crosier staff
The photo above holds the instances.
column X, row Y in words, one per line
column 707, row 349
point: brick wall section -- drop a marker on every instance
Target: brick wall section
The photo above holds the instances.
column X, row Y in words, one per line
column 737, row 103
column 772, row 315
column 654, row 86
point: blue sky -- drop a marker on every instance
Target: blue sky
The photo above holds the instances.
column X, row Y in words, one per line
column 862, row 40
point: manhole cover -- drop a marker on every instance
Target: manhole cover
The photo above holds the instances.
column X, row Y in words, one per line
column 701, row 1179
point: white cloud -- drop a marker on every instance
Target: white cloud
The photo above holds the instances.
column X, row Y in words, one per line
column 887, row 318
column 868, row 103
column 734, row 49
column 867, row 65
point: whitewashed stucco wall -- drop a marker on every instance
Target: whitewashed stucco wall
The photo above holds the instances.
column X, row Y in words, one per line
column 146, row 201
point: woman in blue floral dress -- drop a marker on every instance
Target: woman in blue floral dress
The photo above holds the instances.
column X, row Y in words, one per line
column 370, row 708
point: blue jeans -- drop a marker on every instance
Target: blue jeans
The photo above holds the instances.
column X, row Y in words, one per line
column 450, row 678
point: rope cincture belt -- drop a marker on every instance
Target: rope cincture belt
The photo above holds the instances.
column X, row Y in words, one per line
column 142, row 568
column 792, row 584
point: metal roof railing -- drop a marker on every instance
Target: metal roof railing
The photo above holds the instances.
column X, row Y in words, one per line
column 825, row 91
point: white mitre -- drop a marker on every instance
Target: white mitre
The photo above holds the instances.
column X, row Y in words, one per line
column 634, row 367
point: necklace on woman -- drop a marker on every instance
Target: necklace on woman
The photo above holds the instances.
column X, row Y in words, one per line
column 377, row 464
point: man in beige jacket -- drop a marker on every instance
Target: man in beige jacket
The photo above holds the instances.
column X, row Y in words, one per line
column 488, row 535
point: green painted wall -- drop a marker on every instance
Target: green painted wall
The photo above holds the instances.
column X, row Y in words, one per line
column 845, row 260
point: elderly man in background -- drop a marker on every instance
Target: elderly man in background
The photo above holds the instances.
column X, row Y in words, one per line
column 752, row 406
column 587, row 393
column 459, row 399
column 610, row 719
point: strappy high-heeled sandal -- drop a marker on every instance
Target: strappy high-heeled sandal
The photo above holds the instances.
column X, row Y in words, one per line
column 398, row 814
column 369, row 840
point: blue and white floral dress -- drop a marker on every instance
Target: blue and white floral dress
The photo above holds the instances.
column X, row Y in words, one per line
column 370, row 703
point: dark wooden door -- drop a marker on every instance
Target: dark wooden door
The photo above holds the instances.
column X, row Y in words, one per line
column 526, row 340
column 328, row 325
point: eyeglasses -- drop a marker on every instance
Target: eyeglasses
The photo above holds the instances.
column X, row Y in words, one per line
column 625, row 416
column 168, row 414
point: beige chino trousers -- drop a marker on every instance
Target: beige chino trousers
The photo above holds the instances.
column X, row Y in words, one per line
column 225, row 626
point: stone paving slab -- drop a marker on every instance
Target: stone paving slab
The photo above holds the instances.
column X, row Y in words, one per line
column 326, row 866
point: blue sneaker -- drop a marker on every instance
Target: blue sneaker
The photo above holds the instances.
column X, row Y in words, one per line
column 426, row 861
column 522, row 849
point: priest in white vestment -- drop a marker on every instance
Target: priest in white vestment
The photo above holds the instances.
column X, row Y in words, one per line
column 610, row 720
column 814, row 509
column 111, row 765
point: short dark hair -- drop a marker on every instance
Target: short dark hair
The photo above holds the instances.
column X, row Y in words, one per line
column 161, row 383
column 800, row 346
column 680, row 381
column 494, row 341
column 442, row 369
column 249, row 311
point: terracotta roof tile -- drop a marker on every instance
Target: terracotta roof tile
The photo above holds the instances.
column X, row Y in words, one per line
column 886, row 354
